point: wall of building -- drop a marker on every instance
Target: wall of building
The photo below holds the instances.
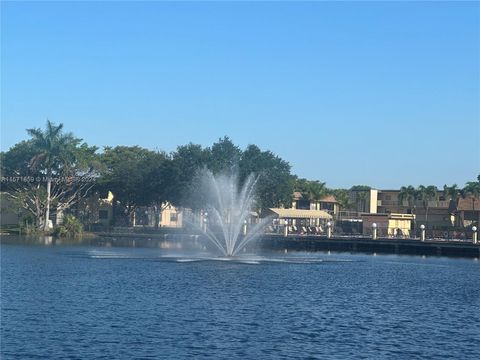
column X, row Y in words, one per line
column 171, row 217
column 399, row 227
column 387, row 225
column 380, row 220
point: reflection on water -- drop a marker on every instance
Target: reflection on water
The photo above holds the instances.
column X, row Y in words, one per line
column 167, row 242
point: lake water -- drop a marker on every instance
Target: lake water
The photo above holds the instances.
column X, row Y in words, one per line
column 89, row 302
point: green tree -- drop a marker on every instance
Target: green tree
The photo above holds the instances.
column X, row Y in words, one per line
column 51, row 148
column 426, row 194
column 135, row 177
column 70, row 227
column 409, row 194
column 452, row 193
column 27, row 195
column 312, row 190
column 60, row 168
column 223, row 156
column 360, row 188
column 361, row 195
column 275, row 182
column 186, row 162
column 343, row 198
column 472, row 189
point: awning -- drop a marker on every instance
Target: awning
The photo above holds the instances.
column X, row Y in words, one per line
column 300, row 214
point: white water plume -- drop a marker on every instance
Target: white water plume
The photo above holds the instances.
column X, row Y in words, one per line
column 229, row 209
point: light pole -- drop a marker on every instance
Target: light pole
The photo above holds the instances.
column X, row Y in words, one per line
column 422, row 232
column 374, row 231
column 329, row 229
column 474, row 235
column 285, row 227
column 244, row 229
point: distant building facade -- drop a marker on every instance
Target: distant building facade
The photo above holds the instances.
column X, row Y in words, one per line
column 328, row 203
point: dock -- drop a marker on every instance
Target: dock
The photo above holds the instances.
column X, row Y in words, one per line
column 432, row 247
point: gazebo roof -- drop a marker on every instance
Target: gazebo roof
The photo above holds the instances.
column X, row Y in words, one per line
column 300, row 214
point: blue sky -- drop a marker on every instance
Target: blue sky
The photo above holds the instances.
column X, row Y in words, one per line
column 378, row 93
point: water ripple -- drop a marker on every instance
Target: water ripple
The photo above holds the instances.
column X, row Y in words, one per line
column 70, row 303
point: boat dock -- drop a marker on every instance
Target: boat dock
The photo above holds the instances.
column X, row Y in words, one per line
column 453, row 248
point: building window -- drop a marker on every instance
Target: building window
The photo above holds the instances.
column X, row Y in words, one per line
column 388, row 197
column 103, row 214
column 303, row 205
column 173, row 217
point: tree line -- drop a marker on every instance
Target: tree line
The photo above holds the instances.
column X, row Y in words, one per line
column 54, row 169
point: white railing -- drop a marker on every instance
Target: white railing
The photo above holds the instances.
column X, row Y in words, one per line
column 418, row 203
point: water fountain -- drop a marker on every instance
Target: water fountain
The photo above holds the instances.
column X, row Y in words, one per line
column 229, row 207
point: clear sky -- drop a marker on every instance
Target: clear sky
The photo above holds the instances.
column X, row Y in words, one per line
column 378, row 93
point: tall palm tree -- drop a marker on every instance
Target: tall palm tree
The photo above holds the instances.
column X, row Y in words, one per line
column 426, row 194
column 472, row 188
column 361, row 199
column 316, row 191
column 452, row 192
column 409, row 194
column 50, row 145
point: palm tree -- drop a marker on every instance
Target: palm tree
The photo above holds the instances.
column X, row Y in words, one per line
column 50, row 145
column 316, row 191
column 343, row 198
column 425, row 194
column 472, row 188
column 361, row 199
column 452, row 193
column 361, row 195
column 409, row 194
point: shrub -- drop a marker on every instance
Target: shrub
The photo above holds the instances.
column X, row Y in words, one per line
column 71, row 227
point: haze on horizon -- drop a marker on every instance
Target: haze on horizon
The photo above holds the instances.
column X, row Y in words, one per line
column 382, row 94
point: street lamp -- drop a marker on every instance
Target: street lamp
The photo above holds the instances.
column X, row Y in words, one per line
column 374, row 231
column 474, row 235
column 422, row 232
column 285, row 227
column 329, row 229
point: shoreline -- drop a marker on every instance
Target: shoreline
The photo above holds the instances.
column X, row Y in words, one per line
column 275, row 242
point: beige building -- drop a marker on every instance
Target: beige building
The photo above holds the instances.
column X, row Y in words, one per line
column 388, row 225
column 171, row 217
column 364, row 201
column 165, row 216
column 328, row 203
column 434, row 213
column 466, row 212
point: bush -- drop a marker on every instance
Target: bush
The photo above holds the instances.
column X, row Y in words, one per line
column 71, row 227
